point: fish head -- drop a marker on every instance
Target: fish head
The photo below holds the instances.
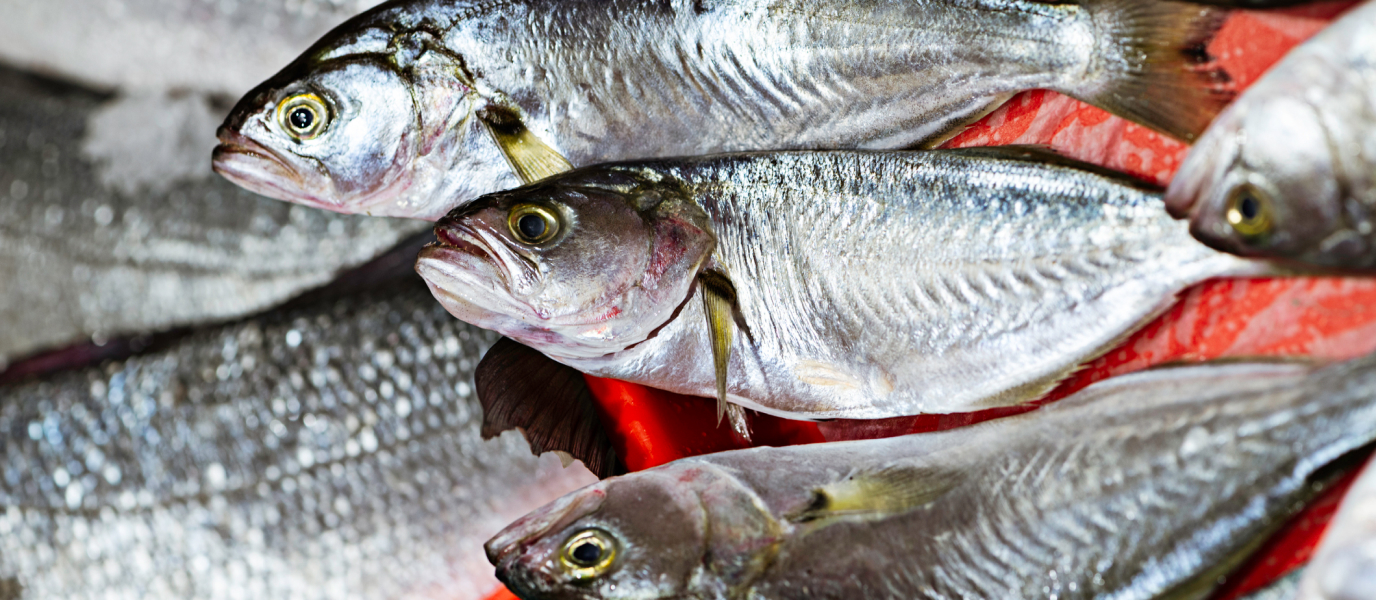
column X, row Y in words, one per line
column 1260, row 182
column 683, row 530
column 362, row 124
column 581, row 266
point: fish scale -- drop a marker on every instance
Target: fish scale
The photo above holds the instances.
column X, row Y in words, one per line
column 328, row 451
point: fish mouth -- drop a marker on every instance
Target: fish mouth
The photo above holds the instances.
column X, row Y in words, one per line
column 259, row 169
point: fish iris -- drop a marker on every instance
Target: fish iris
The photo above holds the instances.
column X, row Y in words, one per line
column 533, row 224
column 303, row 116
column 588, row 553
column 1249, row 211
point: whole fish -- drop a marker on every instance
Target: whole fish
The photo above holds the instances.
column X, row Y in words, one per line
column 86, row 253
column 329, row 451
column 1153, row 485
column 844, row 284
column 1344, row 565
column 1289, row 171
column 418, row 106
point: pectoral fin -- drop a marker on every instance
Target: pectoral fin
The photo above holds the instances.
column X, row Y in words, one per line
column 719, row 303
column 887, row 491
column 550, row 403
column 530, row 157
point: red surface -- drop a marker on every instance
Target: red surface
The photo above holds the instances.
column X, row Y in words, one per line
column 1332, row 318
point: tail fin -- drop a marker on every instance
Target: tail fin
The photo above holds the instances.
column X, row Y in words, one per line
column 1153, row 67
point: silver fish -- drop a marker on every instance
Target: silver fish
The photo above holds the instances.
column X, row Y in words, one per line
column 1344, row 565
column 1152, row 485
column 855, row 284
column 329, row 451
column 419, row 106
column 1289, row 171
column 84, row 255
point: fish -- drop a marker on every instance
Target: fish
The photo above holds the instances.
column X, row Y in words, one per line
column 1150, row 485
column 89, row 255
column 843, row 284
column 1344, row 565
column 329, row 450
column 419, row 106
column 1289, row 171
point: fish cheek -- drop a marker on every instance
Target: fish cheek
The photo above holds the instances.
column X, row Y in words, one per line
column 1287, row 159
column 373, row 136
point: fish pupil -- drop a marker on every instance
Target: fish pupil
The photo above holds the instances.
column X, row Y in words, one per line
column 587, row 553
column 532, row 226
column 302, row 118
column 1249, row 207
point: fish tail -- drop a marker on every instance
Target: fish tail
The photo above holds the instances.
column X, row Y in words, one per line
column 1152, row 64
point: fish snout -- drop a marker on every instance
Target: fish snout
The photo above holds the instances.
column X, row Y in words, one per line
column 539, row 525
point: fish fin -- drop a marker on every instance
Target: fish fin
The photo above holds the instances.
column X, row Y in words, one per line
column 1153, row 66
column 530, row 157
column 549, row 403
column 887, row 491
column 1046, row 155
column 740, row 425
column 719, row 303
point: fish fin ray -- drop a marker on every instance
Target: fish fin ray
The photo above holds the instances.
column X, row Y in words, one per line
column 887, row 491
column 719, row 300
column 1154, row 67
column 549, row 403
column 530, row 157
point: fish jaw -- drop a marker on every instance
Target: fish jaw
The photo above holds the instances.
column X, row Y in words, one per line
column 258, row 169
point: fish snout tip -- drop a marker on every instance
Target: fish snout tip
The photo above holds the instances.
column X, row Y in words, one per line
column 529, row 529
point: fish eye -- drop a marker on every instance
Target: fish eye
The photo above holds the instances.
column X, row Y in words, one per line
column 588, row 553
column 304, row 116
column 533, row 224
column 1249, row 211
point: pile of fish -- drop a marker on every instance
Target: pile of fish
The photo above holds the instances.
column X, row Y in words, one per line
column 735, row 199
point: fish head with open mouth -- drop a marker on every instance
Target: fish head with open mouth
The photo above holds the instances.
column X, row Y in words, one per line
column 678, row 531
column 576, row 267
column 359, row 126
column 1260, row 182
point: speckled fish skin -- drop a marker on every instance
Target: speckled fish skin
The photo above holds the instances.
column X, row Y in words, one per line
column 870, row 284
column 331, row 451
column 1344, row 564
column 81, row 257
column 601, row 81
column 1135, row 488
column 1302, row 143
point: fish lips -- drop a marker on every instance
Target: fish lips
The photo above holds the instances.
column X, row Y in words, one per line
column 259, row 169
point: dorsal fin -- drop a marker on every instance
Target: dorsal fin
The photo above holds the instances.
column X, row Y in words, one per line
column 882, row 492
column 550, row 403
column 1047, row 156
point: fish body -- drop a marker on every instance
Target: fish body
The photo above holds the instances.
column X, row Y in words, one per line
column 867, row 284
column 1289, row 171
column 1344, row 564
column 328, row 451
column 85, row 253
column 1146, row 486
column 419, row 106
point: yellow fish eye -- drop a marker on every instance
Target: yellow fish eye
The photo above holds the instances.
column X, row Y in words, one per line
column 588, row 554
column 532, row 223
column 1249, row 211
column 304, row 116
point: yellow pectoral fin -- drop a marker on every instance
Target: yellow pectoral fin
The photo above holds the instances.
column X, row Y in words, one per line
column 530, row 157
column 883, row 492
column 718, row 300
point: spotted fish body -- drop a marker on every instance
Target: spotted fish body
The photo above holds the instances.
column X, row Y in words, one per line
column 867, row 285
column 438, row 84
column 328, row 451
column 1152, row 485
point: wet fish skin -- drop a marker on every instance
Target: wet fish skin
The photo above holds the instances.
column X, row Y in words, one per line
column 603, row 81
column 328, row 451
column 81, row 256
column 1299, row 145
column 869, row 284
column 1136, row 487
column 1344, row 564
